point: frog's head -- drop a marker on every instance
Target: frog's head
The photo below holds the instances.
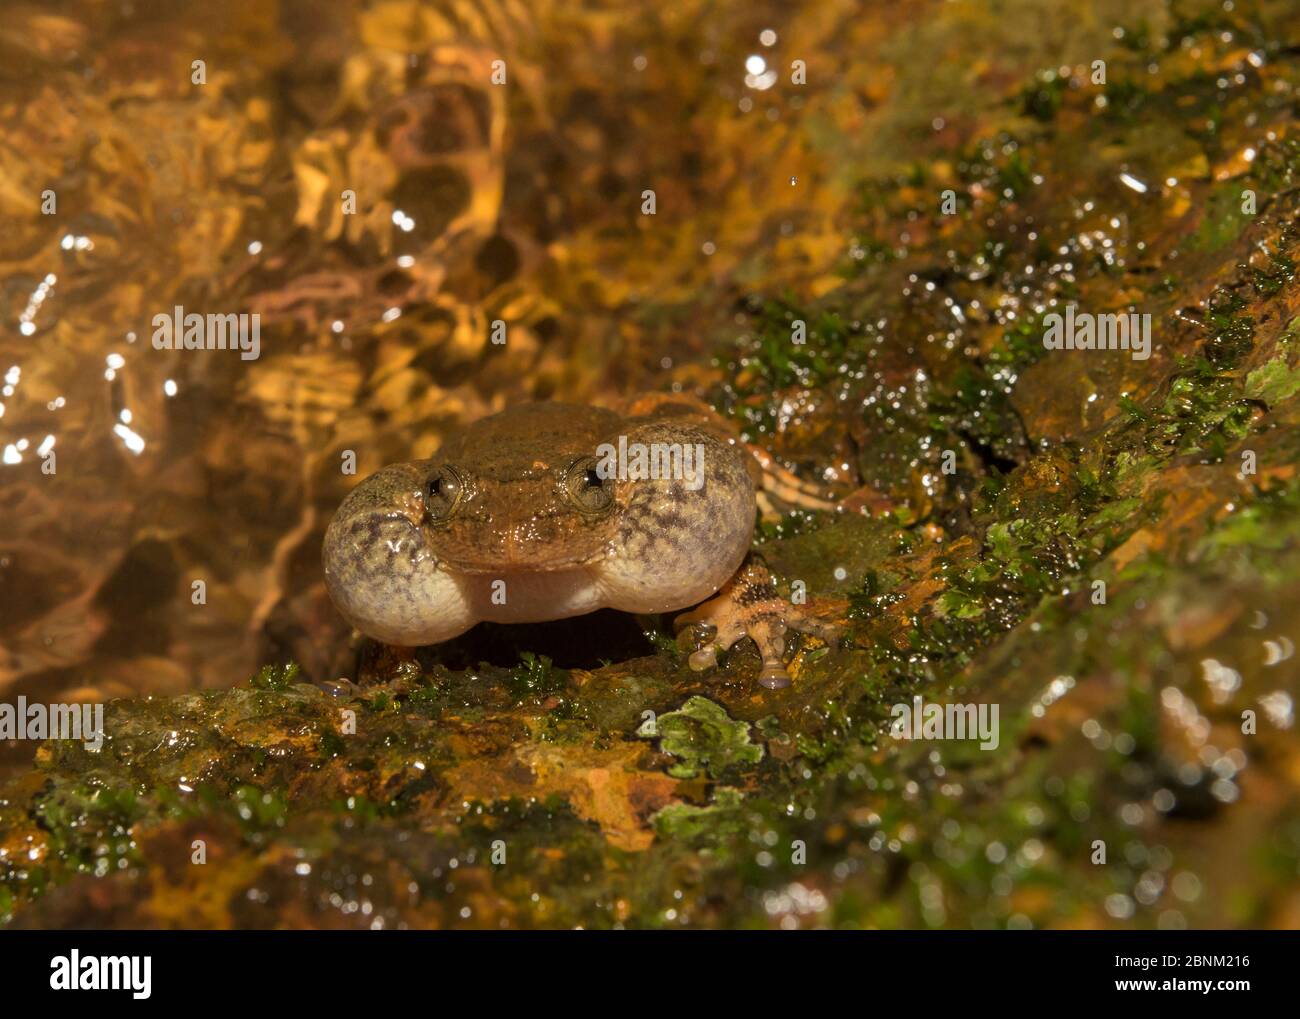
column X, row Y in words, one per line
column 515, row 493
column 518, row 492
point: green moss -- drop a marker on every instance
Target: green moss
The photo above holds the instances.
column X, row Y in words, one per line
column 706, row 739
column 276, row 677
column 1266, row 527
column 535, row 677
column 721, row 820
column 260, row 809
column 1224, row 219
column 1273, row 382
column 90, row 821
column 1042, row 98
column 1202, row 409
column 791, row 525
column 1277, row 167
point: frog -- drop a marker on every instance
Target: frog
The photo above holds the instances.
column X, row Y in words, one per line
column 547, row 510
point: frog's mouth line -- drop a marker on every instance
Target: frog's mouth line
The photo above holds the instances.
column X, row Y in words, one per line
column 516, row 564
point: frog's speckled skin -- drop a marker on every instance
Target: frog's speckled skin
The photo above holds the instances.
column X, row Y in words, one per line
column 407, row 579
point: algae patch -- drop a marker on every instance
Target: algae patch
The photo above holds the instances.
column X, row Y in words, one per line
column 706, row 739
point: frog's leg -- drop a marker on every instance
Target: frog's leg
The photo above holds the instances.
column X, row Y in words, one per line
column 749, row 606
column 785, row 486
column 672, row 405
column 771, row 480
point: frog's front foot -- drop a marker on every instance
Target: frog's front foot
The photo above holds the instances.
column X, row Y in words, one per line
column 749, row 606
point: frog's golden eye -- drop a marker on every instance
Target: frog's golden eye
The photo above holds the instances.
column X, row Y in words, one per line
column 585, row 487
column 442, row 493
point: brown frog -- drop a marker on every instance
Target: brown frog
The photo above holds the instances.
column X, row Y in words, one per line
column 548, row 510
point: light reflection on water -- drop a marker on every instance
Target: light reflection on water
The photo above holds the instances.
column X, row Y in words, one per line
column 128, row 474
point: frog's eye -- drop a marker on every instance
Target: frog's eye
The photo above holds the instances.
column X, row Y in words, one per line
column 585, row 487
column 442, row 493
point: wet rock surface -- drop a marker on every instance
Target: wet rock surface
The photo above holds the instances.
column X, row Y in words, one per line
column 1104, row 548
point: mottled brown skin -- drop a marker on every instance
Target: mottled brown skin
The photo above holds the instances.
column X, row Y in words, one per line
column 510, row 522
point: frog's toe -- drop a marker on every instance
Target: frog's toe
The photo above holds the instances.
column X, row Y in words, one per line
column 769, row 634
column 766, row 630
column 715, row 638
column 749, row 606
